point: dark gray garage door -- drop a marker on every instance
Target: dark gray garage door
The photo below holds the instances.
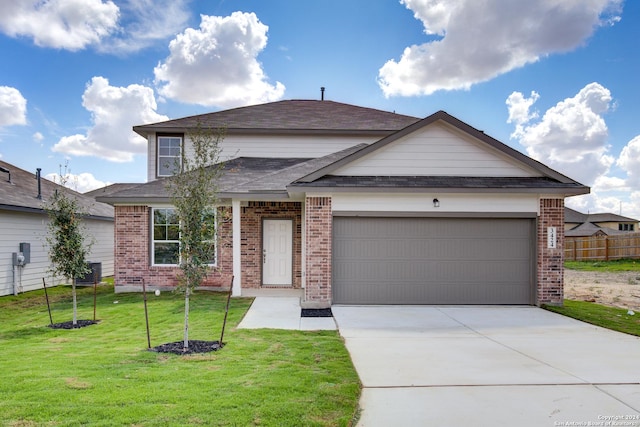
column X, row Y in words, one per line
column 432, row 260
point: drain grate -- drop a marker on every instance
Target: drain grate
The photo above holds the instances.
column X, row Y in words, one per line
column 316, row 312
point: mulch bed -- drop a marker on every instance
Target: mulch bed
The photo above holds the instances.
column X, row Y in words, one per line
column 195, row 346
column 70, row 325
column 316, row 312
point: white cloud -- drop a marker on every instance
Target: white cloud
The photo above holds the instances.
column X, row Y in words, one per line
column 479, row 40
column 145, row 21
column 81, row 183
column 13, row 107
column 60, row 24
column 519, row 107
column 216, row 65
column 77, row 24
column 572, row 136
column 629, row 161
column 596, row 202
column 115, row 110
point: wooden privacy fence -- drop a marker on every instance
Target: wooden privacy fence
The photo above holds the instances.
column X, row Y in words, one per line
column 603, row 248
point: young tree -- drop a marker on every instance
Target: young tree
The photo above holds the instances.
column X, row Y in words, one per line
column 68, row 245
column 194, row 194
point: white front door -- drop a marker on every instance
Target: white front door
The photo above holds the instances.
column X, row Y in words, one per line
column 277, row 252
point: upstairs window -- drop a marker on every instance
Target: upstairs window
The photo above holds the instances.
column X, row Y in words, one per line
column 169, row 155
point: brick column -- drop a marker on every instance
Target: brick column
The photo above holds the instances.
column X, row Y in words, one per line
column 550, row 261
column 318, row 227
column 131, row 244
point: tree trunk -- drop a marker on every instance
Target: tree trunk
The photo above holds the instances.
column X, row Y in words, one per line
column 75, row 302
column 186, row 318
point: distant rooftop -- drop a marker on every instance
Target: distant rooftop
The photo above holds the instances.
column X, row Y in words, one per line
column 21, row 194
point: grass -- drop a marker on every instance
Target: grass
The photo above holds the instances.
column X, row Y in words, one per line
column 613, row 318
column 615, row 266
column 103, row 375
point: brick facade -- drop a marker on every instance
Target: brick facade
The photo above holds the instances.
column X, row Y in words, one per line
column 318, row 231
column 550, row 261
column 132, row 254
column 251, row 239
column 132, row 249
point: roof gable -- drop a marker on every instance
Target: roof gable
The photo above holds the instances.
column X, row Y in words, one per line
column 437, row 149
column 476, row 142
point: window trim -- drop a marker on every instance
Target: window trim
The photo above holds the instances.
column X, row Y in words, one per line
column 152, row 240
column 158, row 163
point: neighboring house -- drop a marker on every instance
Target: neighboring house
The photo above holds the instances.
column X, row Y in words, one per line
column 356, row 206
column 577, row 224
column 24, row 227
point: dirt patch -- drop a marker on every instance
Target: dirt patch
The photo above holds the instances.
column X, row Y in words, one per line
column 612, row 289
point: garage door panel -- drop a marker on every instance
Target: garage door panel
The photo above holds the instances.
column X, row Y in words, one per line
column 432, row 261
column 436, row 293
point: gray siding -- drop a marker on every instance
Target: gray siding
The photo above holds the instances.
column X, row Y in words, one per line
column 17, row 227
column 432, row 261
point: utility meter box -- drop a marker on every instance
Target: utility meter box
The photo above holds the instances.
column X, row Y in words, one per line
column 25, row 248
column 18, row 259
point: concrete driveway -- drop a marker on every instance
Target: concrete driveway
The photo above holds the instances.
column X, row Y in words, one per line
column 489, row 366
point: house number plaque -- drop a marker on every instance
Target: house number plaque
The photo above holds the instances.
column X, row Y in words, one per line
column 551, row 237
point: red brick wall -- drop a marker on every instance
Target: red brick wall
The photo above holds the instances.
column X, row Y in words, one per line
column 132, row 252
column 251, row 239
column 318, row 251
column 550, row 261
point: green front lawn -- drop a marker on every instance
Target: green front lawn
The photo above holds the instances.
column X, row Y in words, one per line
column 605, row 266
column 613, row 318
column 104, row 375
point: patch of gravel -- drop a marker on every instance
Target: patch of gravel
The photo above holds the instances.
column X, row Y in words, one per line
column 70, row 325
column 195, row 346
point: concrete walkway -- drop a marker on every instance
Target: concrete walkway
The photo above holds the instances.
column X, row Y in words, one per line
column 280, row 309
column 489, row 366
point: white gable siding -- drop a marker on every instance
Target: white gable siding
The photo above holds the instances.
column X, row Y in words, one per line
column 234, row 146
column 288, row 146
column 18, row 227
column 436, row 150
column 423, row 203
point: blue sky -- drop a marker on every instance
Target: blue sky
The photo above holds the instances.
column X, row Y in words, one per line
column 555, row 79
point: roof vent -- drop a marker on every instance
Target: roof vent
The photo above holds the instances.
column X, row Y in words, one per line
column 38, row 177
column 322, row 93
column 5, row 170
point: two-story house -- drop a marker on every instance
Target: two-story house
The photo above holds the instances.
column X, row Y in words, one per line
column 578, row 224
column 356, row 206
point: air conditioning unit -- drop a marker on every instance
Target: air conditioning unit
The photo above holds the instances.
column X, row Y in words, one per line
column 96, row 272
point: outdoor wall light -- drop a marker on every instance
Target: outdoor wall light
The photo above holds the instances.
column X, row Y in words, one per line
column 436, row 203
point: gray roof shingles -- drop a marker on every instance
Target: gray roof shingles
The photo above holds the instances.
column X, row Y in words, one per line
column 243, row 175
column 290, row 116
column 21, row 194
column 434, row 182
